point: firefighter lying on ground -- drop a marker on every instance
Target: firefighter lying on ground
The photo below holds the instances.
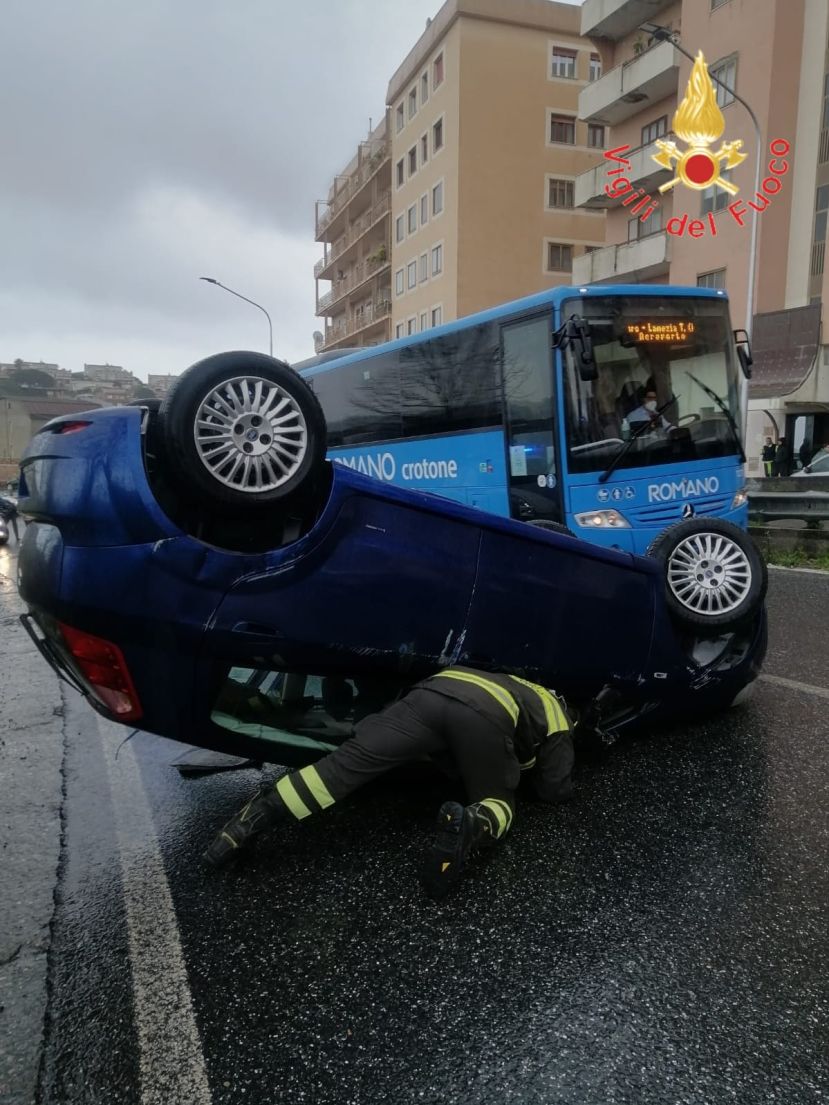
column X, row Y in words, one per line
column 492, row 727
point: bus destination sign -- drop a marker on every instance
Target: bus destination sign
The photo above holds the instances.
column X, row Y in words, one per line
column 674, row 331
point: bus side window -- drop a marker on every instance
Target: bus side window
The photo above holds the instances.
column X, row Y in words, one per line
column 450, row 383
column 361, row 401
column 534, row 488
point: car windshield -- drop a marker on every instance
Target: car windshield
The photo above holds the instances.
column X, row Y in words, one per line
column 663, row 362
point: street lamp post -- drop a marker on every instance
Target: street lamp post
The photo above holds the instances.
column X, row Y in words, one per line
column 218, row 284
column 664, row 34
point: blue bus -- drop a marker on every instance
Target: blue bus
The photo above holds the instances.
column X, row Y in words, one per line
column 612, row 410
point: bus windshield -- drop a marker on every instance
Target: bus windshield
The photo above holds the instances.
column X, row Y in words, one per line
column 667, row 376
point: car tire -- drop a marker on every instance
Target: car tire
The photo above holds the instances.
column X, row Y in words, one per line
column 715, row 577
column 554, row 527
column 243, row 406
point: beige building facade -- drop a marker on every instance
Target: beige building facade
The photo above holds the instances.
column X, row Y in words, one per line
column 773, row 54
column 464, row 197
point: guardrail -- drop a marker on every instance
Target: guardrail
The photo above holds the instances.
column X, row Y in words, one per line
column 803, row 506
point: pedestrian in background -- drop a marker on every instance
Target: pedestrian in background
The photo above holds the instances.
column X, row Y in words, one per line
column 782, row 459
column 768, row 457
column 805, row 453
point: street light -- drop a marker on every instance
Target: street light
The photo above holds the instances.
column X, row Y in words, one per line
column 218, row 284
column 665, row 34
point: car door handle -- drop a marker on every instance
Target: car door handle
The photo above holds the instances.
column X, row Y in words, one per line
column 255, row 629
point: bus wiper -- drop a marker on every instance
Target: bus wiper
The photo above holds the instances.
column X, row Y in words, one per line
column 623, row 452
column 732, row 425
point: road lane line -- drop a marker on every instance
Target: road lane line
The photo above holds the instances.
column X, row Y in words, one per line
column 794, row 685
column 171, row 1056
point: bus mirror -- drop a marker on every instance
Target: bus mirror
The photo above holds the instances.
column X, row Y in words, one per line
column 744, row 352
column 578, row 331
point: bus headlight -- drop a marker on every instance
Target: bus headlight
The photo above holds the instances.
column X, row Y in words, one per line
column 740, row 499
column 602, row 519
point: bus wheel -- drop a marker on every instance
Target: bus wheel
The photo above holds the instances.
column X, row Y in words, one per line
column 715, row 577
column 242, row 429
column 555, row 527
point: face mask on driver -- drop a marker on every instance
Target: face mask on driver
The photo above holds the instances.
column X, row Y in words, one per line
column 650, row 405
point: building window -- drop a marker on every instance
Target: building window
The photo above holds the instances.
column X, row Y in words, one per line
column 412, row 218
column 411, row 325
column 413, row 161
column 398, row 330
column 398, row 282
column 437, row 260
column 595, row 67
column 437, row 71
column 652, row 225
column 826, row 102
column 563, row 129
column 413, row 102
column 437, row 316
column 400, row 172
column 654, row 130
column 821, row 206
column 595, row 136
column 400, row 117
column 424, row 209
column 725, row 71
column 437, row 136
column 411, row 275
column 424, row 321
column 424, row 149
column 559, row 257
column 424, row 88
column 714, row 198
column 437, row 198
column 563, row 63
column 424, row 267
column 711, row 279
column 399, row 233
column 560, row 193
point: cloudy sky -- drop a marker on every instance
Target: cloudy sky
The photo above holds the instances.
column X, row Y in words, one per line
column 145, row 143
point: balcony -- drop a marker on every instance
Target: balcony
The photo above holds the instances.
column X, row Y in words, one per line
column 643, row 173
column 628, row 89
column 615, row 19
column 372, row 315
column 628, row 263
column 345, row 188
column 353, row 234
column 359, row 275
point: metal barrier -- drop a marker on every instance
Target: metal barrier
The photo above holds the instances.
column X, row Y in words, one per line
column 804, row 506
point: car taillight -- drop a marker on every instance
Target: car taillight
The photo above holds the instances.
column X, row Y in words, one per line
column 103, row 666
column 70, row 427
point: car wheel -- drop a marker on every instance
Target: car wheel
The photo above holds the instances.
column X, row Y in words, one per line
column 555, row 527
column 715, row 577
column 243, row 429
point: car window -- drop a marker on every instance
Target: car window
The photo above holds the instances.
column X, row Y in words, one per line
column 820, row 463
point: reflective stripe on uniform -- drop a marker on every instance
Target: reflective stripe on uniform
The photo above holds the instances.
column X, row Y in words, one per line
column 498, row 693
column 319, row 791
column 502, row 813
column 555, row 716
column 287, row 792
column 526, row 766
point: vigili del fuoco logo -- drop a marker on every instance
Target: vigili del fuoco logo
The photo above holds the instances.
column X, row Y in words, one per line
column 699, row 123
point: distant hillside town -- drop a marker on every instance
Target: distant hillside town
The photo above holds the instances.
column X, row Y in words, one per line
column 33, row 392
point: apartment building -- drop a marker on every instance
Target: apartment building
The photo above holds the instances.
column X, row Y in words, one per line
column 485, row 150
column 353, row 225
column 464, row 196
column 773, row 54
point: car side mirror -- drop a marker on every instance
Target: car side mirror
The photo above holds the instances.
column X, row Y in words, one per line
column 744, row 352
column 578, row 333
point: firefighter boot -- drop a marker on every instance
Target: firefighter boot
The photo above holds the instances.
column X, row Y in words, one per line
column 259, row 814
column 459, row 830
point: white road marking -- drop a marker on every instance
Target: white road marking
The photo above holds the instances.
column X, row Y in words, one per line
column 803, row 571
column 794, row 685
column 171, row 1056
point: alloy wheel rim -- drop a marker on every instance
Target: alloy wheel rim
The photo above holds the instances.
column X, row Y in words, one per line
column 709, row 574
column 250, row 434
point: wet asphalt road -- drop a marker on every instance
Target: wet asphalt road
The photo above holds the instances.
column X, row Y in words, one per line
column 661, row 939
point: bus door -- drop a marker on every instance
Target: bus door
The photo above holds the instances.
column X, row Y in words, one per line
column 533, row 482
